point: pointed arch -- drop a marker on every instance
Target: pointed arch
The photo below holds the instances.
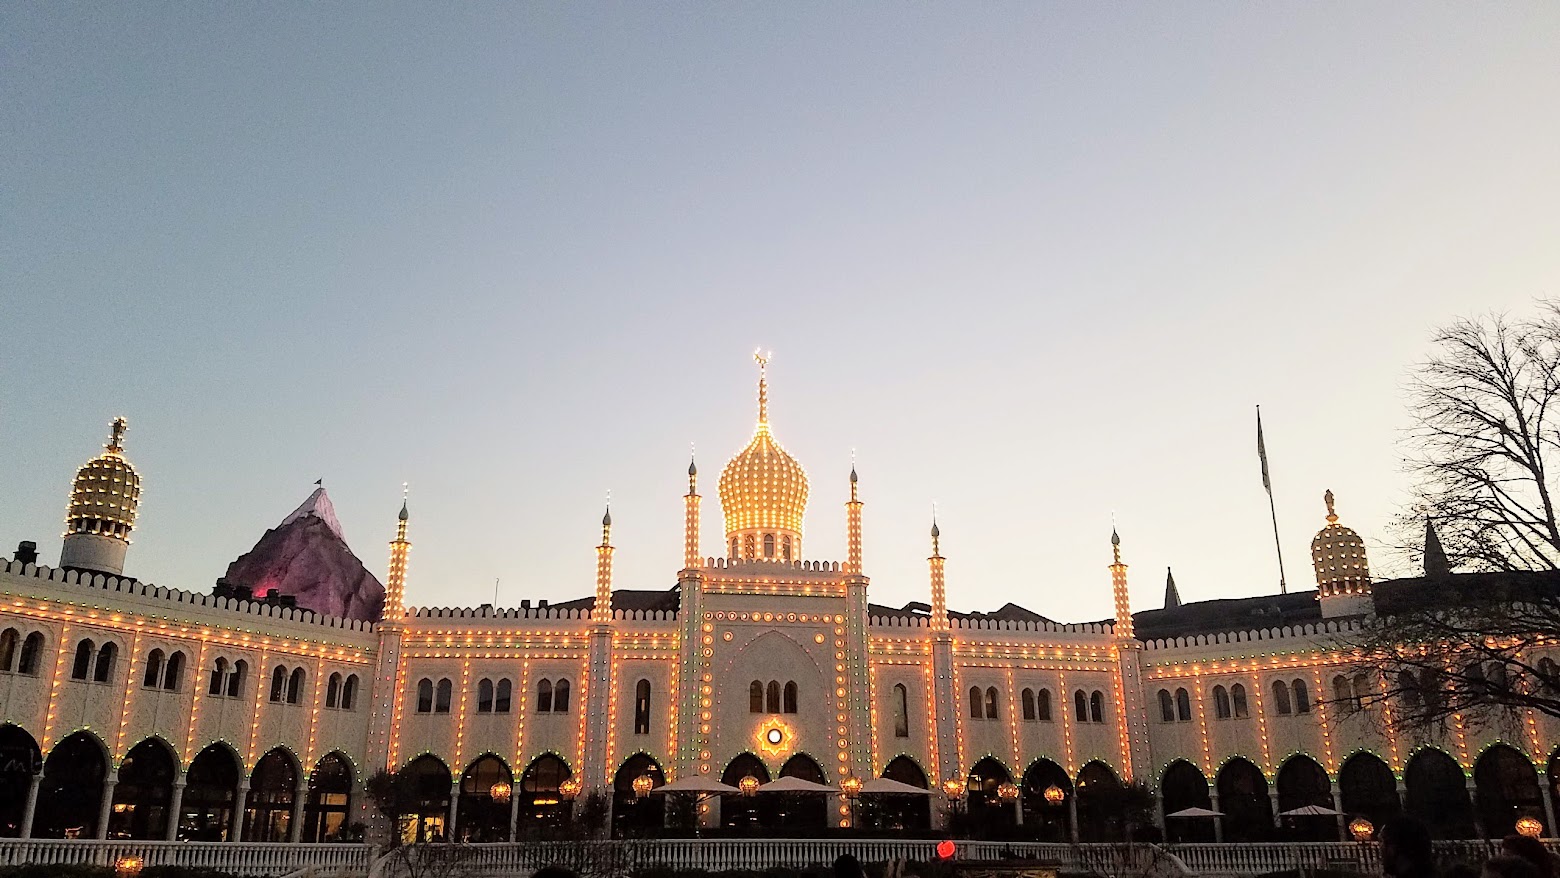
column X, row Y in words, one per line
column 1507, row 788
column 206, row 811
column 635, row 816
column 1051, row 823
column 745, row 811
column 144, row 791
column 273, row 785
column 1099, row 815
column 1436, row 792
column 81, row 667
column 70, row 794
column 541, row 805
column 1182, row 786
column 1367, row 787
column 429, row 812
column 1302, row 781
column 480, row 817
column 1243, row 797
column 21, row 760
column 907, row 813
column 330, row 798
column 899, row 704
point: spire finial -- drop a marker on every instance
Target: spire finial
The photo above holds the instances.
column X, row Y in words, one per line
column 1332, row 514
column 606, row 519
column 936, row 531
column 693, row 470
column 116, row 435
column 405, row 492
column 762, row 357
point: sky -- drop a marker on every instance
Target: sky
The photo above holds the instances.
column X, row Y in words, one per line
column 1035, row 263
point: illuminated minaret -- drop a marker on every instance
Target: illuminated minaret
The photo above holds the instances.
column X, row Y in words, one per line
column 387, row 696
column 1132, row 724
column 104, row 499
column 691, row 519
column 1118, row 584
column 853, row 527
column 939, row 594
column 942, row 668
column 602, row 612
column 395, row 585
column 598, row 693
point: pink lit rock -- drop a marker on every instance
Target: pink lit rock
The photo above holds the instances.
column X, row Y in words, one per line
column 306, row 557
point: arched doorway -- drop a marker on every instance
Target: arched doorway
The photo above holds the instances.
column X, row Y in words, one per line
column 429, row 779
column 1507, row 788
column 1436, row 792
column 481, row 817
column 273, row 785
column 1367, row 788
column 633, row 816
column 144, row 792
column 1183, row 786
column 908, row 813
column 1243, row 797
column 801, row 812
column 20, row 760
column 330, row 794
column 1048, row 822
column 1102, row 807
column 1302, row 782
column 744, row 812
column 210, row 787
column 542, row 807
column 71, row 794
column 986, row 812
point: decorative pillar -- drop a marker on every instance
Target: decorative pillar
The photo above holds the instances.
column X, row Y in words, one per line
column 942, row 667
column 1337, row 803
column 514, row 812
column 385, row 697
column 1072, row 815
column 1132, row 724
column 295, row 823
column 240, row 811
column 853, row 528
column 1273, row 806
column 594, row 771
column 32, row 804
column 1218, row 823
column 106, row 807
column 449, row 828
column 691, row 557
column 175, row 807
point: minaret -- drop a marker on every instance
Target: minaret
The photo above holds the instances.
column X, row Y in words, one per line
column 387, row 698
column 395, row 585
column 939, row 595
column 1133, row 728
column 104, row 499
column 598, row 694
column 1118, row 585
column 602, row 612
column 853, row 527
column 945, row 699
column 691, row 519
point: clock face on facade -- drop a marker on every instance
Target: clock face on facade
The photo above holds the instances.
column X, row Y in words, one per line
column 775, row 736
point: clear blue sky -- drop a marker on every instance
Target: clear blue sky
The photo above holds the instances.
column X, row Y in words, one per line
column 1035, row 262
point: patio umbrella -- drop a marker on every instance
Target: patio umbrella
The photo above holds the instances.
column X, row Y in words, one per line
column 694, row 784
column 882, row 786
column 1196, row 812
column 795, row 785
column 1309, row 811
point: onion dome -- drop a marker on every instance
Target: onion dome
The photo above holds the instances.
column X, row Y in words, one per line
column 106, row 493
column 1338, row 554
column 763, row 492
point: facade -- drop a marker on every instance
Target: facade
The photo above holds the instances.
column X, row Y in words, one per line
column 133, row 711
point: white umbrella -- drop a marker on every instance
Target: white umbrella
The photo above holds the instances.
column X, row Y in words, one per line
column 694, row 784
column 1309, row 811
column 883, row 786
column 1196, row 812
column 795, row 785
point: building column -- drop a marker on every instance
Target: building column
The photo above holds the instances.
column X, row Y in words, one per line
column 295, row 825
column 449, row 828
column 32, row 804
column 514, row 812
column 106, row 808
column 1273, row 798
column 1547, row 794
column 1337, row 801
column 240, row 811
column 1218, row 822
column 175, row 807
column 1072, row 815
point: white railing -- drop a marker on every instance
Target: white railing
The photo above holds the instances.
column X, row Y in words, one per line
column 243, row 858
column 1260, row 858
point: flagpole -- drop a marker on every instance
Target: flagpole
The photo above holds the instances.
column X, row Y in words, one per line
column 1267, row 482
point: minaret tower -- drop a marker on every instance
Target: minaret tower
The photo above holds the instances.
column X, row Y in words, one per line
column 400, row 548
column 387, row 701
column 598, row 689
column 104, row 499
column 853, row 527
column 1133, row 727
column 942, row 668
column 1342, row 571
column 691, row 500
column 602, row 611
column 939, row 593
column 1118, row 584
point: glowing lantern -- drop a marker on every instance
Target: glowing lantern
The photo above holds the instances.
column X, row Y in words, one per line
column 643, row 784
column 1054, row 795
column 851, row 787
column 748, row 785
column 570, row 788
column 1531, row 827
column 128, row 867
column 1007, row 792
column 1361, row 829
column 500, row 792
column 953, row 788
column 946, row 849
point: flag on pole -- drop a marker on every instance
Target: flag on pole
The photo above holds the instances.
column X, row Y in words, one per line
column 1267, row 482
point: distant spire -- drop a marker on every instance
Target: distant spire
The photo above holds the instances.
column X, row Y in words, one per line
column 1332, row 513
column 1115, row 545
column 936, row 533
column 405, row 490
column 1172, row 594
column 762, row 358
column 116, row 435
column 1435, row 554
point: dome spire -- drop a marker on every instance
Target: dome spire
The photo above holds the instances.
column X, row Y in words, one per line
column 763, row 491
column 116, row 435
column 104, row 499
column 762, row 357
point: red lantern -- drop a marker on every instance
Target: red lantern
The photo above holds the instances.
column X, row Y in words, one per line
column 946, row 849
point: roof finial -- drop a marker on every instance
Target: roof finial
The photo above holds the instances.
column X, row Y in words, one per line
column 405, row 492
column 692, row 469
column 606, row 520
column 1332, row 515
column 116, row 435
column 936, row 531
column 762, row 357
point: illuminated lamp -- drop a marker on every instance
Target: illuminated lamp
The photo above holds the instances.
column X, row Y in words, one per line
column 570, row 788
column 500, row 792
column 1531, row 827
column 1054, row 795
column 774, row 736
column 1007, row 792
column 643, row 784
column 1361, row 829
column 946, row 849
column 128, row 867
column 748, row 785
column 851, row 787
column 953, row 788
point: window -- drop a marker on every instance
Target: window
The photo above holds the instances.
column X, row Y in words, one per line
column 108, row 652
column 32, row 648
column 1183, row 706
column 733, row 552
column 1362, row 688
column 755, row 697
column 561, row 696
column 977, row 710
column 769, row 545
column 1496, row 674
column 544, row 696
column 1081, row 706
column 1281, row 698
column 901, row 704
column 218, row 676
column 1097, row 707
column 1238, row 701
column 1302, row 697
column 349, row 692
column 772, row 697
column 1026, row 700
column 991, row 703
column 1043, row 705
column 748, row 547
column 295, row 686
column 1221, row 703
column 1408, row 686
column 484, row 695
column 1548, row 674
column 10, row 638
column 425, row 695
column 785, row 548
column 1166, row 707
column 278, row 684
column 642, row 707
column 333, row 690
column 83, row 663
column 235, row 685
column 790, row 697
column 441, row 696
column 154, row 669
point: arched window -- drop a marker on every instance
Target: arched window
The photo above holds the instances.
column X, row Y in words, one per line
column 1548, row 674
column 1302, row 697
column 484, row 695
column 1097, row 707
column 901, row 704
column 561, row 696
column 235, row 683
column 502, row 698
column 642, row 707
column 349, row 693
column 769, row 545
column 1408, row 690
column 1081, row 706
column 544, row 696
column 733, row 552
column 1238, row 701
column 749, row 547
column 785, row 548
column 772, row 697
column 441, row 696
column 1221, row 703
column 332, row 690
column 1166, row 707
column 1281, row 697
column 425, row 695
column 977, row 710
column 1183, row 705
column 755, row 697
column 1343, row 692
column 218, row 677
column 83, row 664
column 1362, row 688
column 154, row 669
column 10, row 638
column 1026, row 701
column 1043, row 705
column 790, row 697
column 991, row 702
column 32, row 648
column 278, row 684
column 1477, row 685
column 108, row 652
column 295, row 686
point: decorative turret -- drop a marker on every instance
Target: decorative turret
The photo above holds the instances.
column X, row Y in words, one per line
column 691, row 518
column 602, row 611
column 763, row 491
column 1172, row 594
column 1118, row 585
column 939, row 591
column 395, row 579
column 853, row 527
column 1342, row 572
column 103, row 503
column 1436, row 565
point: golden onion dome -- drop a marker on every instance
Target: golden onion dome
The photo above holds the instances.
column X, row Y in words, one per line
column 1338, row 554
column 106, row 493
column 763, row 488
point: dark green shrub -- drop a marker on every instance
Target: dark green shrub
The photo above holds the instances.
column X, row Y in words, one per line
column 43, row 871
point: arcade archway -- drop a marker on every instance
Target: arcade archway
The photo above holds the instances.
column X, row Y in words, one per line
column 71, row 794
column 144, row 792
column 634, row 816
column 1243, row 797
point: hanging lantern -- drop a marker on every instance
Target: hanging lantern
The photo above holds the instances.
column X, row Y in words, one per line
column 500, row 792
column 1054, row 795
column 1361, row 829
column 570, row 788
column 1530, row 826
column 953, row 788
column 643, row 784
column 748, row 785
column 851, row 787
column 1007, row 792
column 128, row 867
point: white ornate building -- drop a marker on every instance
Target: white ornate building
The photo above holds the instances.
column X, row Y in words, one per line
column 136, row 711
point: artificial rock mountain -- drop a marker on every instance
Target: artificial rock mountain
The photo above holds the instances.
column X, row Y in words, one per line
column 306, row 557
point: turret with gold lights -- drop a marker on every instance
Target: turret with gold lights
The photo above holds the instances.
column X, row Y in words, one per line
column 1342, row 571
column 691, row 518
column 939, row 591
column 763, row 492
column 104, row 499
column 1118, row 584
column 601, row 613
column 853, row 527
column 395, row 581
